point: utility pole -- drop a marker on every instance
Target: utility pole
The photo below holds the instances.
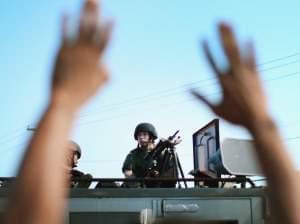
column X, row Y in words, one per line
column 30, row 128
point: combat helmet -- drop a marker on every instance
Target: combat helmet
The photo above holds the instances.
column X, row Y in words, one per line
column 145, row 127
column 77, row 149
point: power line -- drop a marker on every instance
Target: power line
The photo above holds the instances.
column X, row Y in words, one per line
column 279, row 59
column 164, row 105
column 282, row 77
column 279, row 66
column 157, row 95
column 138, row 100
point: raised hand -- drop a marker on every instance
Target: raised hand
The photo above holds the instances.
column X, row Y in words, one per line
column 78, row 74
column 243, row 98
column 244, row 104
column 79, row 71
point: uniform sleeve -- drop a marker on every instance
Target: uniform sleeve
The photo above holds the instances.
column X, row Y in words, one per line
column 127, row 165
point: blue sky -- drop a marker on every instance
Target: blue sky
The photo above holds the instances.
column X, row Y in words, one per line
column 154, row 58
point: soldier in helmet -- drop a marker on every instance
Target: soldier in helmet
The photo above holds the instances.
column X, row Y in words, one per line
column 139, row 160
column 74, row 158
column 135, row 164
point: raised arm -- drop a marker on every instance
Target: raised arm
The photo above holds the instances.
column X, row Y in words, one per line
column 42, row 183
column 244, row 103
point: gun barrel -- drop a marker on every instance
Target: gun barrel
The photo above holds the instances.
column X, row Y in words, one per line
column 174, row 135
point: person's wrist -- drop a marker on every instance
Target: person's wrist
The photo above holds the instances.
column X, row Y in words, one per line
column 261, row 123
column 60, row 100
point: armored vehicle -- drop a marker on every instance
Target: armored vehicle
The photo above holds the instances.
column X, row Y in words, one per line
column 211, row 196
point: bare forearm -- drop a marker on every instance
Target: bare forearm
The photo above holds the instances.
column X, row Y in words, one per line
column 42, row 181
column 77, row 75
column 280, row 171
